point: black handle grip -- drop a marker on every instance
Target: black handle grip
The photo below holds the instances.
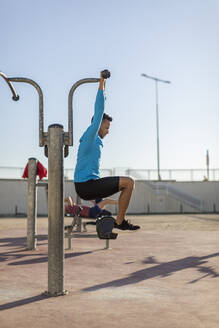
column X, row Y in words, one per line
column 15, row 98
column 105, row 74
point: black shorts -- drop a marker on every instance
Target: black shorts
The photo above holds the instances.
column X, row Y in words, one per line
column 100, row 188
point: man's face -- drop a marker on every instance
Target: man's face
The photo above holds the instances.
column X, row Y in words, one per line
column 104, row 128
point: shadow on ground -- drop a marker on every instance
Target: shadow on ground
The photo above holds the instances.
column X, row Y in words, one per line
column 28, row 300
column 44, row 258
column 161, row 270
column 20, row 242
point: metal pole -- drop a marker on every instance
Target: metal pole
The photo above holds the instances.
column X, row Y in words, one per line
column 107, row 244
column 42, row 136
column 157, row 125
column 56, row 210
column 70, row 106
column 31, row 204
column 14, row 94
column 78, row 220
column 207, row 163
column 157, row 118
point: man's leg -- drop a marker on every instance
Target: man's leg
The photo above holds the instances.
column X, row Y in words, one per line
column 106, row 187
column 126, row 186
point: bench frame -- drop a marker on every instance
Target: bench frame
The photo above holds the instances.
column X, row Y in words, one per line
column 79, row 224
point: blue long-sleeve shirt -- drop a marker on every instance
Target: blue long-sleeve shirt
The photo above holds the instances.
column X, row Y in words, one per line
column 89, row 151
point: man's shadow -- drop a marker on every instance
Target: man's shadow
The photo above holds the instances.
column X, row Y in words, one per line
column 161, row 270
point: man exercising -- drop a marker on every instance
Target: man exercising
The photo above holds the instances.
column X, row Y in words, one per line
column 88, row 183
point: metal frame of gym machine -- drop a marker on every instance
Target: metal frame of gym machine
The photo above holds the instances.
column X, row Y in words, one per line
column 56, row 144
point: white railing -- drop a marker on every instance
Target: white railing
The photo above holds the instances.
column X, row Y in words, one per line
column 174, row 174
column 7, row 172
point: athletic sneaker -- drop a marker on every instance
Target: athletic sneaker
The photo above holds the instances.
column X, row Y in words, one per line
column 126, row 225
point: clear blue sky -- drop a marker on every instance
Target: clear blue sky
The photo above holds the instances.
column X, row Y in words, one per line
column 58, row 42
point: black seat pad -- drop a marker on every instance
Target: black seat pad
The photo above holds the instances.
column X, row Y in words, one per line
column 105, row 226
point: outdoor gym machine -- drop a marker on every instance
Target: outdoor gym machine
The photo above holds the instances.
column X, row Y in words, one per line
column 56, row 143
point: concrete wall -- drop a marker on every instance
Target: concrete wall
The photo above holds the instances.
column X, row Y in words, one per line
column 13, row 198
column 146, row 198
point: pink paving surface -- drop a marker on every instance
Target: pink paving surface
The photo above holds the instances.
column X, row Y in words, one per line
column 165, row 275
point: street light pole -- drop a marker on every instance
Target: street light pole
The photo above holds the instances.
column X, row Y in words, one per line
column 157, row 119
column 157, row 126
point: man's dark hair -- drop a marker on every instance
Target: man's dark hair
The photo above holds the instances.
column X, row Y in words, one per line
column 105, row 117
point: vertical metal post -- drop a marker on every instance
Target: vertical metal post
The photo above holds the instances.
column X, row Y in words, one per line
column 107, row 244
column 56, row 210
column 158, row 141
column 207, row 164
column 31, row 204
column 157, row 119
column 78, row 218
column 192, row 174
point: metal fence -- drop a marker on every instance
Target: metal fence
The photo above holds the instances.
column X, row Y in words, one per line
column 7, row 172
column 175, row 174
